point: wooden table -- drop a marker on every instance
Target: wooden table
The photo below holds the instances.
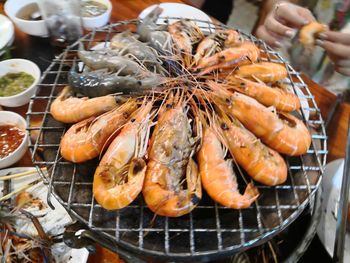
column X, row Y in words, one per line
column 41, row 52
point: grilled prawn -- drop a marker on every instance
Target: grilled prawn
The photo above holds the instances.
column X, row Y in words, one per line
column 264, row 71
column 263, row 164
column 69, row 109
column 185, row 35
column 277, row 96
column 120, row 174
column 282, row 132
column 217, row 174
column 85, row 140
column 172, row 184
column 215, row 43
column 245, row 53
column 309, row 33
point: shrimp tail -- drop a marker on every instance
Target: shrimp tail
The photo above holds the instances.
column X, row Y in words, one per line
column 251, row 192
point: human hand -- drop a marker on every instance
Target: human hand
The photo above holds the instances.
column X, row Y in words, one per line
column 282, row 22
column 337, row 46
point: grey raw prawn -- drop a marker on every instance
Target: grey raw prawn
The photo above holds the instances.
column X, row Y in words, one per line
column 109, row 59
column 99, row 83
column 126, row 44
column 156, row 35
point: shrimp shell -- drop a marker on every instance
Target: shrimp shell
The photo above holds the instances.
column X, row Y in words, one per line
column 259, row 161
column 170, row 158
column 185, row 34
column 309, row 32
column 97, row 59
column 120, row 174
column 216, row 42
column 85, row 140
column 218, row 177
column 277, row 96
column 96, row 83
column 111, row 194
column 69, row 109
column 231, row 57
column 264, row 71
column 283, row 133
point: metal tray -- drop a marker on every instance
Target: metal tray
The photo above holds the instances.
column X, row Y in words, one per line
column 211, row 230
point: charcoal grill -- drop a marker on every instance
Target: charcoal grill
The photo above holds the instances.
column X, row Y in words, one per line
column 211, row 230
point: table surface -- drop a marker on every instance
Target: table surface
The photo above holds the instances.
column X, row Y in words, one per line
column 41, row 52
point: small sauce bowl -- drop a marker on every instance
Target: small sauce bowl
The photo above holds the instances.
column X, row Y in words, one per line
column 18, row 65
column 11, row 118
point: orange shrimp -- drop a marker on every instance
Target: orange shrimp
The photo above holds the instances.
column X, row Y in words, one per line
column 68, row 109
column 216, row 42
column 282, row 132
column 231, row 57
column 185, row 34
column 264, row 71
column 309, row 32
column 277, row 96
column 85, row 140
column 259, row 161
column 217, row 175
column 120, row 174
column 170, row 159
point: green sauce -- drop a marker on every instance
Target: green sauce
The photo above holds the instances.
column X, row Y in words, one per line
column 92, row 8
column 14, row 83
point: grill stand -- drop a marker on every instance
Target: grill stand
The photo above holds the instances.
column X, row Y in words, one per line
column 210, row 231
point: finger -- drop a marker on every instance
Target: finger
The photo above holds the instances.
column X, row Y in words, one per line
column 273, row 25
column 267, row 37
column 334, row 58
column 306, row 14
column 343, row 63
column 334, row 49
column 344, row 71
column 336, row 37
column 291, row 14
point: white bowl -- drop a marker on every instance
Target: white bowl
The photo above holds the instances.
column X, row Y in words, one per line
column 101, row 20
column 18, row 65
column 9, row 117
column 34, row 28
column 7, row 32
column 180, row 11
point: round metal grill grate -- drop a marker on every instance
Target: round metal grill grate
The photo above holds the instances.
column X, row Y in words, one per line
column 210, row 230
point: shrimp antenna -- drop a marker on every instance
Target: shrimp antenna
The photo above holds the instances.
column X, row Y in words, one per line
column 218, row 129
column 105, row 145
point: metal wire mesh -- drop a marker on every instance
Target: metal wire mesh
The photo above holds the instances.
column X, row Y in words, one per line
column 210, row 230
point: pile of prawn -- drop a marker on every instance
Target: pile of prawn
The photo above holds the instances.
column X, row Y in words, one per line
column 193, row 109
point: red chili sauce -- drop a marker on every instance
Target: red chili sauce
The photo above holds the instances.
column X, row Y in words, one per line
column 10, row 138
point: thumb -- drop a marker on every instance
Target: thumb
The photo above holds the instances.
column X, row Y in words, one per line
column 294, row 15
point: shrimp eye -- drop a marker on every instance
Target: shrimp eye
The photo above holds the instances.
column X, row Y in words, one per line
column 169, row 106
column 242, row 83
column 224, row 126
column 133, row 119
column 195, row 199
column 138, row 164
column 228, row 101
